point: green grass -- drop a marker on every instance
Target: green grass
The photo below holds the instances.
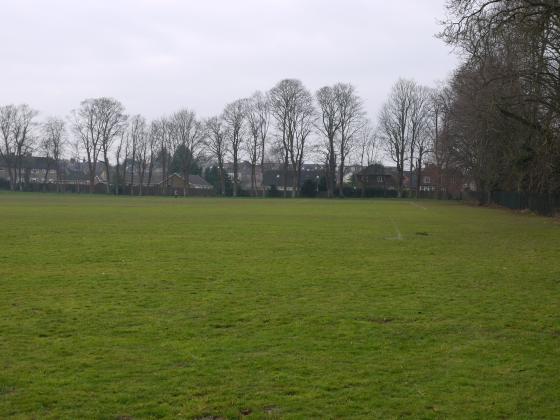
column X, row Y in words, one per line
column 155, row 307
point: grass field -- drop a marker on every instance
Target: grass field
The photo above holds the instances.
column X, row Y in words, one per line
column 160, row 307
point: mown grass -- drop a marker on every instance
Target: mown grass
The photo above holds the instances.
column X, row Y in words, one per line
column 155, row 307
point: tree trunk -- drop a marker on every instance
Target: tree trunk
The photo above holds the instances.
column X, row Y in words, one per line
column 235, row 175
column 418, row 176
column 222, row 178
column 108, row 185
column 341, row 179
column 285, row 175
column 331, row 181
column 262, row 173
column 294, row 182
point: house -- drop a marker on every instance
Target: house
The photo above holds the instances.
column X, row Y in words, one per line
column 196, row 182
column 350, row 171
column 378, row 177
column 34, row 169
column 450, row 181
column 274, row 178
column 76, row 172
column 244, row 174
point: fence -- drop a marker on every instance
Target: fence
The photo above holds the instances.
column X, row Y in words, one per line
column 544, row 204
column 547, row 205
column 81, row 188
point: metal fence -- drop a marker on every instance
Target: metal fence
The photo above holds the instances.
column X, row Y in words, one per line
column 82, row 188
column 544, row 204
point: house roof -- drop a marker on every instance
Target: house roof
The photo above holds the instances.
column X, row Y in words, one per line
column 195, row 181
column 33, row 162
column 276, row 177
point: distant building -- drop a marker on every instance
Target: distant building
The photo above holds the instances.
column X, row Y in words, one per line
column 176, row 181
column 378, row 177
column 274, row 178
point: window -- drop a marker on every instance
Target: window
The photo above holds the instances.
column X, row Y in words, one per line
column 427, row 180
column 380, row 179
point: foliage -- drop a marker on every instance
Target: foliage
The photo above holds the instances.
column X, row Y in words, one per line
column 309, row 188
column 212, row 175
column 178, row 157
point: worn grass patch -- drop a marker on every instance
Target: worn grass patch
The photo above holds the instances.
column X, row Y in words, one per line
column 206, row 308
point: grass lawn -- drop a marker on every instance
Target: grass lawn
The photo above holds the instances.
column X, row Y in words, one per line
column 160, row 307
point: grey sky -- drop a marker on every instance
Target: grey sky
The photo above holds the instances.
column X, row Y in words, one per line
column 157, row 56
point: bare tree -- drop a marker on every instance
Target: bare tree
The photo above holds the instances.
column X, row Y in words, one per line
column 441, row 102
column 261, row 104
column 97, row 123
column 284, row 100
column 394, row 125
column 145, row 157
column 420, row 135
column 137, row 137
column 187, row 137
column 152, row 145
column 351, row 116
column 258, row 118
column 505, row 113
column 161, row 134
column 122, row 152
column 367, row 145
column 112, row 121
column 302, row 121
column 217, row 144
column 234, row 118
column 329, row 126
column 16, row 125
column 53, row 143
column 86, row 128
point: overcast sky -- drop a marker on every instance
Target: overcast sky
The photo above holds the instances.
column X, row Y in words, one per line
column 157, row 56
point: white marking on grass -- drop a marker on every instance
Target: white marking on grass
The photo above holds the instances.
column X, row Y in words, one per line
column 417, row 205
column 399, row 237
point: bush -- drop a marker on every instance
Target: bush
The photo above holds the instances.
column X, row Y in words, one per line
column 309, row 189
column 273, row 192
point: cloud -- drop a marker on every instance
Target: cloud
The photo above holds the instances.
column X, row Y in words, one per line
column 160, row 55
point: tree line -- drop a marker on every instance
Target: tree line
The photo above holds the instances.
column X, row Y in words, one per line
column 495, row 122
column 288, row 124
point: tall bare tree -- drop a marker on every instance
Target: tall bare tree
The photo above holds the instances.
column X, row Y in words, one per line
column 234, row 118
column 121, row 158
column 112, row 121
column 53, row 143
column 351, row 114
column 97, row 123
column 86, row 127
column 284, row 99
column 329, row 126
column 420, row 133
column 217, row 145
column 161, row 133
column 261, row 104
column 301, row 121
column 367, row 148
column 187, row 137
column 258, row 119
column 16, row 129
column 394, row 125
column 145, row 156
column 505, row 114
column 137, row 137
